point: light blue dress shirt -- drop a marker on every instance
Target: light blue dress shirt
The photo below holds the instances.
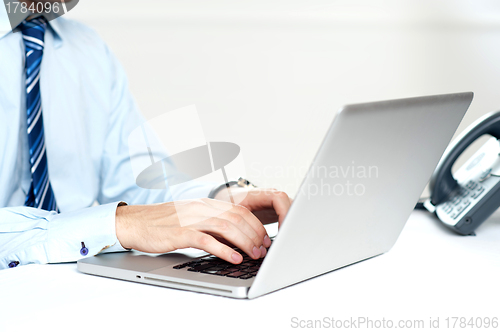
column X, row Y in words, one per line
column 88, row 114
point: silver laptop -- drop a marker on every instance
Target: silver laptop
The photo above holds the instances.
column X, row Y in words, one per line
column 368, row 173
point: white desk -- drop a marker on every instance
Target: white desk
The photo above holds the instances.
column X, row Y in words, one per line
column 430, row 272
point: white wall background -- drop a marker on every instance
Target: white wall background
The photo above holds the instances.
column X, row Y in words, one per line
column 269, row 75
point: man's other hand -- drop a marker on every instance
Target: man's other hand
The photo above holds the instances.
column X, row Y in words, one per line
column 269, row 205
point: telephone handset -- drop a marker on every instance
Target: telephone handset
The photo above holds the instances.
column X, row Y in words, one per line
column 463, row 200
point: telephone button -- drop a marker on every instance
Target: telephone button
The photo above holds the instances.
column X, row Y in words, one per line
column 447, row 207
column 471, row 185
column 461, row 209
column 477, row 192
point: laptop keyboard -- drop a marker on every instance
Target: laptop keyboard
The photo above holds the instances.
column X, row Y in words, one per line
column 218, row 267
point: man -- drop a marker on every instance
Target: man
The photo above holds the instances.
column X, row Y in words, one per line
column 66, row 115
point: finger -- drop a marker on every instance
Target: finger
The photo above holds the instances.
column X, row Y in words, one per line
column 232, row 245
column 255, row 232
column 223, row 240
column 259, row 232
column 253, row 221
column 209, row 244
column 227, row 229
column 281, row 204
column 270, row 198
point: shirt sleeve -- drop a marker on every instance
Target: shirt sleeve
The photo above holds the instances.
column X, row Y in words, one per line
column 118, row 180
column 30, row 235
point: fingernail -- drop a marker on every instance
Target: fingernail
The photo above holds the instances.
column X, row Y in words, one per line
column 263, row 251
column 267, row 241
column 235, row 257
column 256, row 252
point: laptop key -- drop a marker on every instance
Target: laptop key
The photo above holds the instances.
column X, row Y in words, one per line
column 236, row 274
column 247, row 264
column 201, row 267
column 215, row 260
column 180, row 266
column 211, row 270
column 246, row 276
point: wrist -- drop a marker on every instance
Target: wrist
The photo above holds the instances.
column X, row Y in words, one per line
column 225, row 191
column 223, row 195
column 122, row 226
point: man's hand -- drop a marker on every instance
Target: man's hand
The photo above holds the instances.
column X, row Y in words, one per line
column 203, row 224
column 212, row 225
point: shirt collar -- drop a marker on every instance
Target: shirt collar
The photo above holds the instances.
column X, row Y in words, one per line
column 5, row 27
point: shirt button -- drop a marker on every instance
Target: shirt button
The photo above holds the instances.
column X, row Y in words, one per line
column 13, row 264
column 84, row 251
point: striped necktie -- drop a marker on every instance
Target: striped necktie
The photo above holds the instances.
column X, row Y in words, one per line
column 40, row 194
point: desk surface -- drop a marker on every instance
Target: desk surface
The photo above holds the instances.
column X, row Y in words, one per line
column 430, row 272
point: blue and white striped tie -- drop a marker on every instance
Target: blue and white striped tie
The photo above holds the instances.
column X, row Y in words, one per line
column 40, row 193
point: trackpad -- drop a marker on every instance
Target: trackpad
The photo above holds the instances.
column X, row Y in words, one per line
column 143, row 262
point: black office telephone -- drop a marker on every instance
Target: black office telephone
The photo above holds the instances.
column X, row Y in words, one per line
column 465, row 199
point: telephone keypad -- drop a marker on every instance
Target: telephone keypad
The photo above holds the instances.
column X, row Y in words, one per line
column 471, row 191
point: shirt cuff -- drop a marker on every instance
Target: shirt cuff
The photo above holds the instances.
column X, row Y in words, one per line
column 117, row 247
column 114, row 248
column 82, row 233
column 192, row 191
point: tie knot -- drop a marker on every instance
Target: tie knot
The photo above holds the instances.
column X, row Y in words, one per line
column 34, row 32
